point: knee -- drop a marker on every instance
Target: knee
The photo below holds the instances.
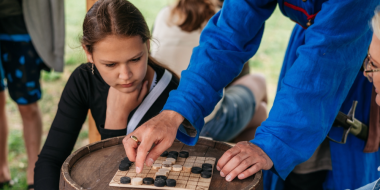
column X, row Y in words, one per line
column 259, row 79
column 29, row 110
column 263, row 110
column 253, row 80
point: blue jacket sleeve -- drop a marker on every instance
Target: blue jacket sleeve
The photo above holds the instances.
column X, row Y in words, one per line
column 229, row 39
column 314, row 88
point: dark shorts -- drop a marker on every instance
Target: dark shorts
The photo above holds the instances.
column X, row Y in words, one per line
column 237, row 109
column 21, row 66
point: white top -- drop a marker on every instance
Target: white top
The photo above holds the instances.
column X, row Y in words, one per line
column 173, row 47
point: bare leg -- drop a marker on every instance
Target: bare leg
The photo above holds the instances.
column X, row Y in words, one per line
column 257, row 84
column 31, row 119
column 4, row 169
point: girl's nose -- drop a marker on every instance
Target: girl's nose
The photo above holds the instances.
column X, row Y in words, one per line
column 125, row 73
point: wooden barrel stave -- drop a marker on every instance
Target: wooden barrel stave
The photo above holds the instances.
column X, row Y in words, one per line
column 93, row 166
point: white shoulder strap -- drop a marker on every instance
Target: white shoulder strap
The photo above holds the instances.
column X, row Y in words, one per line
column 148, row 101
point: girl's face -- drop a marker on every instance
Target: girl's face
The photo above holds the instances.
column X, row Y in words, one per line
column 121, row 61
column 374, row 51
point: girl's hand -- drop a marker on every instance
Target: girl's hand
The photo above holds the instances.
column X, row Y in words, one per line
column 120, row 105
column 160, row 130
column 243, row 160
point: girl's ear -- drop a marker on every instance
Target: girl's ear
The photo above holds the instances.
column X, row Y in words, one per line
column 88, row 54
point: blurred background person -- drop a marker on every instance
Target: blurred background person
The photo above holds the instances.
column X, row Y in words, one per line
column 177, row 30
column 31, row 39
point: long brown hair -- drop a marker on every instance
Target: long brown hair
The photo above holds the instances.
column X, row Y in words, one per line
column 192, row 14
column 115, row 17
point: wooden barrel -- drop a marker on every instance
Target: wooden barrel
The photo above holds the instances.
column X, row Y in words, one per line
column 93, row 166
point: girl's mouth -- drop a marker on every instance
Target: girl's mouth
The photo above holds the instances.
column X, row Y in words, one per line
column 126, row 85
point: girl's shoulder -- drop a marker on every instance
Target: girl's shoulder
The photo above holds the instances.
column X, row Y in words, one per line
column 83, row 86
column 86, row 77
column 88, row 73
column 79, row 75
column 83, row 69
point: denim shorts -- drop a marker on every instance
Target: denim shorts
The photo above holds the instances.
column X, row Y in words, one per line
column 237, row 109
column 372, row 186
column 21, row 66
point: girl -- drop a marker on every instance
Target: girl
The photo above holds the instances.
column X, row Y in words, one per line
column 119, row 77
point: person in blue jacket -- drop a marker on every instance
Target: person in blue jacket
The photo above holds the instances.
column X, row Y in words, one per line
column 371, row 65
column 320, row 76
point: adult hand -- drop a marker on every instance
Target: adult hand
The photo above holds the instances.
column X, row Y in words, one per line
column 243, row 160
column 160, row 130
column 120, row 104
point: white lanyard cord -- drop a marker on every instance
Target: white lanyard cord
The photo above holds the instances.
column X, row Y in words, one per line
column 148, row 101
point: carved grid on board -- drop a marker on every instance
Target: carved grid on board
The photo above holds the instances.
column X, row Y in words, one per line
column 185, row 180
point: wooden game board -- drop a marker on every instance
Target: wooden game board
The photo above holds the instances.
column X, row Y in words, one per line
column 185, row 180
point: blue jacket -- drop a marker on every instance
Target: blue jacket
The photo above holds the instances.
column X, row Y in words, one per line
column 312, row 87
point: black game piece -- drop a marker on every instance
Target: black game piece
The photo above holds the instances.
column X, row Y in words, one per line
column 126, row 159
column 161, row 177
column 174, row 153
column 123, row 166
column 172, row 156
column 206, row 174
column 196, row 170
column 171, row 182
column 207, row 170
column 206, row 165
column 126, row 163
column 164, row 154
column 125, row 180
column 159, row 182
column 148, row 180
column 183, row 154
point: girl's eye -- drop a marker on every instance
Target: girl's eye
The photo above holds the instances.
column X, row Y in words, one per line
column 110, row 65
column 135, row 60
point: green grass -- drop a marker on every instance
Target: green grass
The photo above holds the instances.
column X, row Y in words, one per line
column 17, row 159
column 267, row 60
column 269, row 57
